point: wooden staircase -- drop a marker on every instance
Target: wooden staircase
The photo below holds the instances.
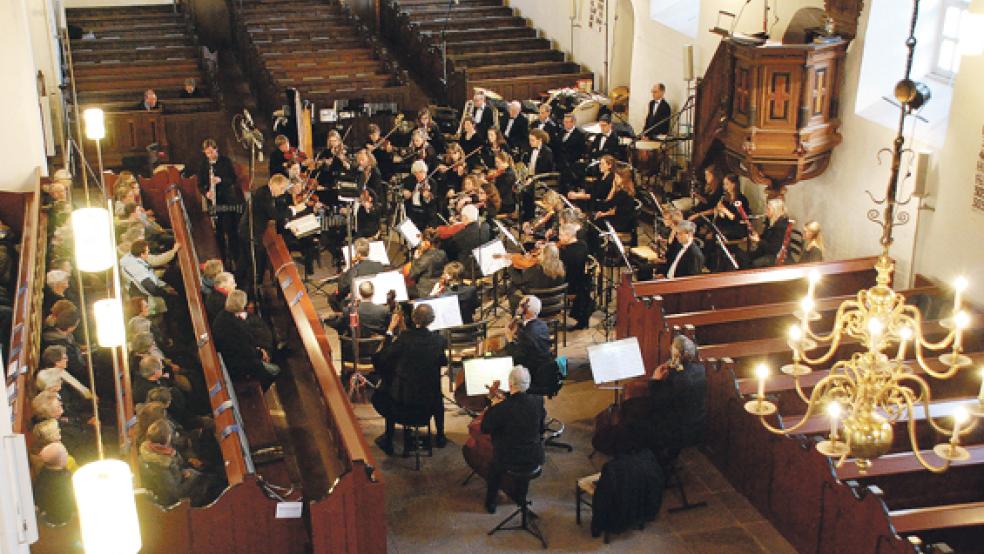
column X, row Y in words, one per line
column 488, row 46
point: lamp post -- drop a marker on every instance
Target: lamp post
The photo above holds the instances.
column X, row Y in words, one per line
column 95, row 129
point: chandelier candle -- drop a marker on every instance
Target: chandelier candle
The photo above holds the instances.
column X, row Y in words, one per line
column 834, row 410
column 904, row 336
column 959, row 286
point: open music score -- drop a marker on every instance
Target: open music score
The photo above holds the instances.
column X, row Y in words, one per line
column 616, row 361
column 447, row 311
column 410, row 232
column 491, row 257
column 377, row 252
column 383, row 283
column 480, row 373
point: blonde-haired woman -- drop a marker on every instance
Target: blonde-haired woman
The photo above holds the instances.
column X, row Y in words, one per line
column 770, row 241
column 547, row 272
column 812, row 243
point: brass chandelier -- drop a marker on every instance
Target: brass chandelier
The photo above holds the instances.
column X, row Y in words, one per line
column 867, row 393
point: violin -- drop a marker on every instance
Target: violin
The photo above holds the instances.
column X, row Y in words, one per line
column 384, row 140
column 523, row 260
column 445, row 232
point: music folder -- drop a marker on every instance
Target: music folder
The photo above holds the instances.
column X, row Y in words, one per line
column 377, row 252
column 616, row 361
column 491, row 257
column 383, row 283
column 410, row 232
column 481, row 372
column 447, row 311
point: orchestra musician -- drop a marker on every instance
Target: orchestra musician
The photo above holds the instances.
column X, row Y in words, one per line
column 450, row 283
column 489, row 201
column 418, row 197
column 769, row 242
column 515, row 127
column 450, row 172
column 704, row 202
column 574, row 256
column 812, row 243
column 677, row 395
column 367, row 173
column 545, row 225
column 504, row 178
column 278, row 158
column 473, row 234
column 658, row 116
column 361, row 266
column 605, row 142
column 684, row 257
column 334, row 164
column 727, row 214
column 381, row 149
column 495, row 143
column 481, row 113
column 434, row 135
column 367, row 215
column 591, row 198
column 538, row 160
column 217, row 172
column 373, row 318
column 569, row 147
column 410, row 365
column 528, row 336
column 301, row 198
column 546, row 123
column 547, row 271
column 266, row 209
column 515, row 423
column 471, row 139
column 419, row 149
column 427, row 265
column 619, row 207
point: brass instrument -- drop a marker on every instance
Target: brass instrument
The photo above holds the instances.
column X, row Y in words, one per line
column 465, row 112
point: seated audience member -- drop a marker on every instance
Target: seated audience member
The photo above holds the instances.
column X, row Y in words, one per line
column 53, row 491
column 165, row 473
column 150, row 375
column 150, row 102
column 373, row 318
column 191, row 89
column 242, row 356
column 140, row 276
column 44, row 433
column 74, row 434
column 515, row 423
column 410, row 367
column 57, row 287
column 361, row 266
column 143, row 324
column 452, row 283
column 812, row 243
column 142, row 344
column 215, row 301
column 770, row 241
column 427, row 264
column 210, row 270
column 62, row 333
column 686, row 258
column 529, row 342
column 547, row 273
column 75, row 397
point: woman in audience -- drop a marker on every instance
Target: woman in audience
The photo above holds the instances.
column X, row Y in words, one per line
column 43, row 433
column 76, row 436
column 62, row 333
column 165, row 473
column 210, row 270
column 812, row 243
column 244, row 358
column 215, row 301
column 53, row 491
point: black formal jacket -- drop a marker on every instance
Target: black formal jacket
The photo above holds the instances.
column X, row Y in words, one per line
column 234, row 341
column 534, row 278
column 568, row 151
column 467, row 300
column 531, row 347
column 610, row 147
column 810, row 256
column 544, row 161
column 278, row 163
column 550, row 126
column 435, row 137
column 575, row 257
column 482, row 125
column 225, row 191
column 478, row 140
column 427, row 269
column 360, row 269
column 770, row 241
column 504, row 184
column 460, row 246
column 516, row 424
column 691, row 262
column 265, row 209
column 624, row 219
column 214, row 303
column 629, row 492
column 411, row 368
column 373, row 320
column 519, row 135
column 661, row 117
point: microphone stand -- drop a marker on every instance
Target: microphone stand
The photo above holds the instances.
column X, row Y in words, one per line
column 444, row 42
column 719, row 239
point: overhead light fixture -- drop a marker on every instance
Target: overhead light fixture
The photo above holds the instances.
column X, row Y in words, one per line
column 107, row 508
column 110, row 329
column 92, row 229
column 95, row 124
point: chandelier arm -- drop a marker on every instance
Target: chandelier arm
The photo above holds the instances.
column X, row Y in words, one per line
column 914, row 441
column 799, row 390
column 838, row 319
column 919, row 341
column 924, row 365
column 834, row 345
column 811, row 407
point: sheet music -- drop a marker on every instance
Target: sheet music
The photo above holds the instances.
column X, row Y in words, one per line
column 377, row 252
column 616, row 361
column 481, row 372
column 447, row 311
column 410, row 232
column 383, row 283
column 487, row 257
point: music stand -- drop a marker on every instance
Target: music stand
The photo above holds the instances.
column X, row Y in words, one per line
column 612, row 362
column 492, row 258
column 383, row 283
column 480, row 373
column 447, row 311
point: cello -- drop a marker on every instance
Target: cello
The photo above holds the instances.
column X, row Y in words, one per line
column 478, row 449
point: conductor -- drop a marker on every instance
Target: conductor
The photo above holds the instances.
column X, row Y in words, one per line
column 514, row 421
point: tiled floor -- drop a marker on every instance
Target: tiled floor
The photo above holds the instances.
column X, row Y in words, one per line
column 431, row 511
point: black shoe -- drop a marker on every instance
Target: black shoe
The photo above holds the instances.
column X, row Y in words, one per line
column 490, row 507
column 384, row 445
column 441, row 441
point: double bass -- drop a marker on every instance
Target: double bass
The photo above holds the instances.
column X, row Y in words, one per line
column 478, row 449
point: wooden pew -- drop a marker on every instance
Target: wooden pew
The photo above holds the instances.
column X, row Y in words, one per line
column 349, row 515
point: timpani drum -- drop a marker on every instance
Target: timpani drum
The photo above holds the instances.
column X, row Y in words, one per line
column 646, row 155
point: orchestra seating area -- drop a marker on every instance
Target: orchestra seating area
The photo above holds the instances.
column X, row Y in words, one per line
column 125, row 50
column 739, row 321
column 488, row 46
column 319, row 48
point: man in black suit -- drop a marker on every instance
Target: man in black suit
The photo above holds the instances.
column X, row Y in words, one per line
column 474, row 234
column 529, row 344
column 278, row 158
column 515, row 127
column 410, row 367
column 569, row 147
column 515, row 424
column 605, row 142
column 688, row 259
column 266, row 209
column 538, row 160
column 373, row 318
column 482, row 114
column 150, row 103
column 242, row 356
column 658, row 116
column 545, row 123
column 418, row 195
column 217, row 170
column 360, row 267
